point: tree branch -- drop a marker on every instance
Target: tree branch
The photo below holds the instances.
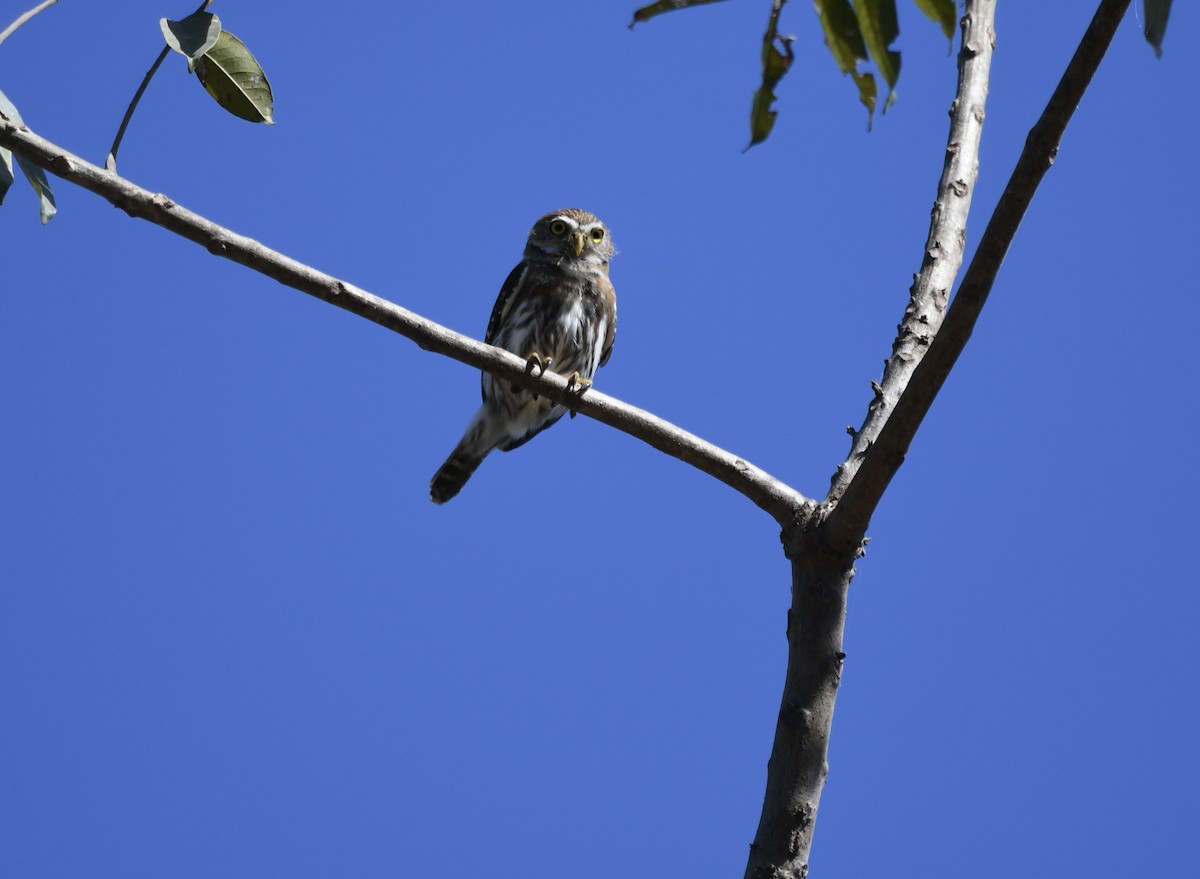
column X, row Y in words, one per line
column 823, row 547
column 848, row 520
column 767, row 492
column 939, row 267
column 24, row 17
column 823, row 568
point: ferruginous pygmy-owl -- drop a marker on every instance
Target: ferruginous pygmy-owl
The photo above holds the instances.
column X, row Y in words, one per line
column 557, row 310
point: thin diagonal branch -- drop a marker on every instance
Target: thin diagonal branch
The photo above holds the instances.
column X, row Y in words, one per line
column 847, row 522
column 24, row 17
column 771, row 495
column 944, row 247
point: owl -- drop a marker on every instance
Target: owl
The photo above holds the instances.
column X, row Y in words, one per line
column 558, row 311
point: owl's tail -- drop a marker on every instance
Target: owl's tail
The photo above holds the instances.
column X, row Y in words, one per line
column 481, row 437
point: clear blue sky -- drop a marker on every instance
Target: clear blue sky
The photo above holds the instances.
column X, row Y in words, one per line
column 236, row 638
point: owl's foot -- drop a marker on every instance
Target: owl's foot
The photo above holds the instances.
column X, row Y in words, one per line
column 577, row 385
column 535, row 359
column 542, row 364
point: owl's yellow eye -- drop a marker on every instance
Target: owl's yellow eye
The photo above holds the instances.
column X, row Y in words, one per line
column 558, row 227
column 597, row 235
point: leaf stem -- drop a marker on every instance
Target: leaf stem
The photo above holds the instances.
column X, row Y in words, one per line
column 111, row 161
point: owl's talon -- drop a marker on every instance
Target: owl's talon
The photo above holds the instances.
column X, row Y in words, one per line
column 542, row 363
column 577, row 385
column 535, row 359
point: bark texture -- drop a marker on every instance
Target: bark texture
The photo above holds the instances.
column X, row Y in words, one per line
column 798, row 766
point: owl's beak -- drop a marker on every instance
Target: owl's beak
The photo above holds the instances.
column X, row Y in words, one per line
column 577, row 241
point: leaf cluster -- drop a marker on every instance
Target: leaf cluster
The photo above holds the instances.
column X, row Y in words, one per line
column 221, row 62
column 858, row 33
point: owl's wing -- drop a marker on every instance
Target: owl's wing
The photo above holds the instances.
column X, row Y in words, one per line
column 608, row 296
column 504, row 304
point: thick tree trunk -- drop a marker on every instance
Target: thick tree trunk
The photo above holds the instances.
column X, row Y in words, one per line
column 798, row 765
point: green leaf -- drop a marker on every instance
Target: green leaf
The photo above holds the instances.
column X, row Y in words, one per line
column 877, row 21
column 6, row 172
column 9, row 110
column 775, row 63
column 35, row 175
column 37, row 179
column 648, row 12
column 193, row 36
column 943, row 12
column 1156, row 12
column 230, row 74
column 845, row 42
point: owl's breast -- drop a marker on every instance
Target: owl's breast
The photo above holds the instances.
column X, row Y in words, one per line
column 557, row 315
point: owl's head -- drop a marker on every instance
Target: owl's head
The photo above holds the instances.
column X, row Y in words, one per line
column 570, row 235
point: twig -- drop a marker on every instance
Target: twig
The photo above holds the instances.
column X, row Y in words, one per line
column 21, row 19
column 111, row 161
column 768, row 493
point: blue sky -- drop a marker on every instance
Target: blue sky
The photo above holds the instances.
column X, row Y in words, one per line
column 236, row 638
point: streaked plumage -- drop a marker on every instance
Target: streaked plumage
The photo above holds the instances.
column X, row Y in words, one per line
column 558, row 303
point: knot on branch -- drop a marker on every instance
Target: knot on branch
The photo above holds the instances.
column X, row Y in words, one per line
column 804, row 817
column 794, row 535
